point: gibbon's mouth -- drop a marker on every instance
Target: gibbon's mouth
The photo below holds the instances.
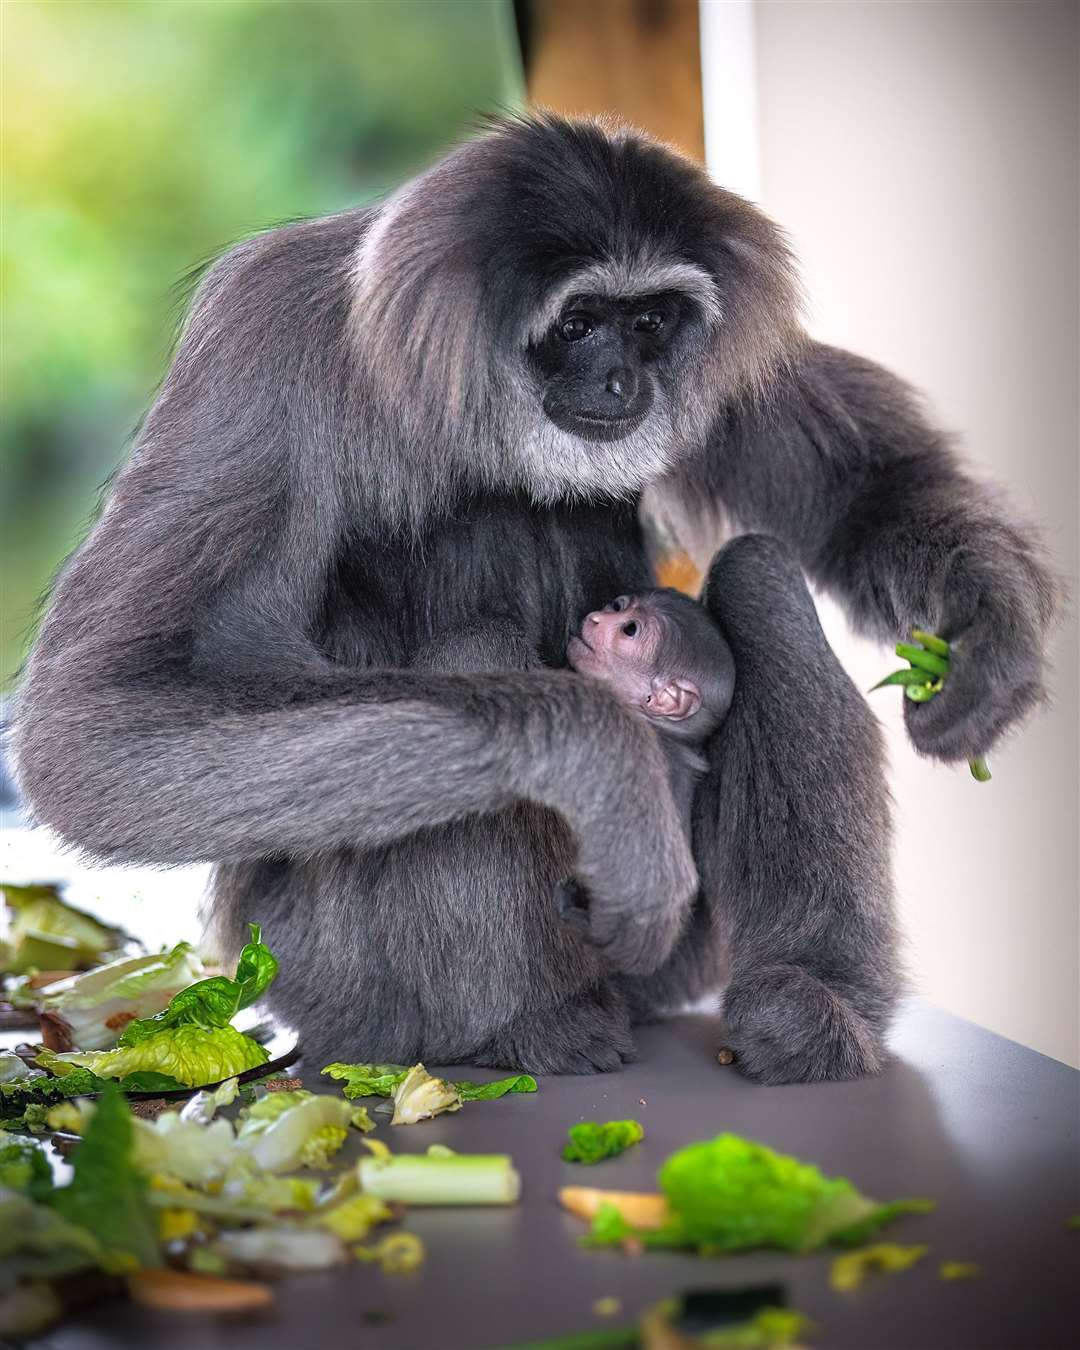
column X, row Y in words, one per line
column 574, row 650
column 599, row 426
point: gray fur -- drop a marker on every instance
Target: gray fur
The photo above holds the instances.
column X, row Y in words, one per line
column 311, row 636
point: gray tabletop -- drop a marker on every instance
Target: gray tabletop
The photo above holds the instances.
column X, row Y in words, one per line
column 982, row 1125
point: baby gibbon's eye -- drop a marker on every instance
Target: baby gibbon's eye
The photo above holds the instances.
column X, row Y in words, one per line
column 630, row 629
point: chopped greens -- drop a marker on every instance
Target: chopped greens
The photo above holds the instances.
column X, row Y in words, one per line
column 95, row 1007
column 851, row 1269
column 212, row 1003
column 731, row 1194
column 419, row 1096
column 49, row 934
column 590, row 1141
column 24, row 1166
column 959, row 1270
column 187, row 1055
column 384, row 1080
column 107, row 1195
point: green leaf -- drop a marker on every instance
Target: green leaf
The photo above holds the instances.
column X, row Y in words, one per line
column 383, row 1080
column 590, row 1142
column 730, row 1193
column 488, row 1092
column 368, row 1080
column 24, row 1166
column 48, row 933
column 188, row 1055
column 215, row 1001
column 107, row 1196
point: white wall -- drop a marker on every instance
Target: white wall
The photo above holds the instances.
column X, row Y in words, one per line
column 923, row 158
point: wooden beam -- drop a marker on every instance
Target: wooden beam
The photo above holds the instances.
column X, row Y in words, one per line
column 637, row 59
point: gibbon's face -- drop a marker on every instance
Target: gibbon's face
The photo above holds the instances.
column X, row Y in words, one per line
column 598, row 363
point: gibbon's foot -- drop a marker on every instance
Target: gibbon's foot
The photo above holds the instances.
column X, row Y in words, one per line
column 588, row 1034
column 786, row 1026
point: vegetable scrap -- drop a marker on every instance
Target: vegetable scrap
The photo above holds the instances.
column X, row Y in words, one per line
column 590, row 1141
column 850, row 1270
column 47, row 933
column 418, row 1095
column 959, row 1270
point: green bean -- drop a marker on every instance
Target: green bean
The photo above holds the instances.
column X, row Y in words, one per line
column 924, row 660
column 980, row 770
column 920, row 693
column 932, row 643
column 908, row 676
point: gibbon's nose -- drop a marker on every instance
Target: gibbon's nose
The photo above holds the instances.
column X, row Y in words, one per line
column 602, row 625
column 621, row 384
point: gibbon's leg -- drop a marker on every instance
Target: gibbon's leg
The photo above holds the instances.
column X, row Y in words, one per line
column 791, row 835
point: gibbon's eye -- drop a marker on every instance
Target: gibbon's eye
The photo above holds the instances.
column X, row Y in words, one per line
column 630, row 629
column 575, row 328
column 649, row 322
column 619, row 603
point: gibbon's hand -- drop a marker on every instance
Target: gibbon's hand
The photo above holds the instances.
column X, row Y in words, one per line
column 994, row 680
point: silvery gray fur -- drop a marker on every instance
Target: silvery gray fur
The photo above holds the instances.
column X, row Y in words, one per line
column 315, row 636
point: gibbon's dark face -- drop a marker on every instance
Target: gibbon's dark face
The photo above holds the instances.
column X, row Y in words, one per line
column 598, row 363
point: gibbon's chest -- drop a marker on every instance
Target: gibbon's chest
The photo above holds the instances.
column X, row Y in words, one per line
column 496, row 557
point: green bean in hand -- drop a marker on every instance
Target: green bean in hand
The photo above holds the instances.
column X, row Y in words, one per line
column 928, row 658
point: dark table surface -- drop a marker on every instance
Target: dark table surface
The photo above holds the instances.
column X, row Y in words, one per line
column 984, row 1126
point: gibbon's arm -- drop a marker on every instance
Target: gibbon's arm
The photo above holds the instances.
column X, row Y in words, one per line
column 838, row 461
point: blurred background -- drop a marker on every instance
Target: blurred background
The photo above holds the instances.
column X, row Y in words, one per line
column 923, row 159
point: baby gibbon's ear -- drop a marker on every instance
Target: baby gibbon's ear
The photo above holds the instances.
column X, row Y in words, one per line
column 673, row 700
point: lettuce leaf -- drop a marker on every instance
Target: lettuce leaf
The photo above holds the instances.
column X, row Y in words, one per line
column 107, row 1195
column 591, row 1141
column 731, row 1194
column 95, row 1007
column 383, row 1080
column 488, row 1092
column 48, row 933
column 297, row 1129
column 24, row 1166
column 38, row 1243
column 213, row 1002
column 185, row 1055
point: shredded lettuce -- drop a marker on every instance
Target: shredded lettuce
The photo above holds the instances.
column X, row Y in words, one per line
column 301, row 1130
column 13, row 1067
column 851, row 1269
column 382, row 1080
column 107, row 1195
column 489, row 1092
column 188, row 1055
column 95, row 1007
column 419, row 1096
column 212, row 1003
column 590, row 1141
column 49, row 934
column 24, row 1166
column 731, row 1194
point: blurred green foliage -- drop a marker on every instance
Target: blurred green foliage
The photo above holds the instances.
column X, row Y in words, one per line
column 139, row 139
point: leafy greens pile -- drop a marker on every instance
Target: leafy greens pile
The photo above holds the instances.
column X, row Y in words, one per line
column 187, row 1044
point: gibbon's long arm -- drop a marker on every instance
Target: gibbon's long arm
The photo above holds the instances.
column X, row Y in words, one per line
column 839, row 462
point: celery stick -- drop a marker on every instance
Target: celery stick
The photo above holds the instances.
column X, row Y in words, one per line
column 419, row 1179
